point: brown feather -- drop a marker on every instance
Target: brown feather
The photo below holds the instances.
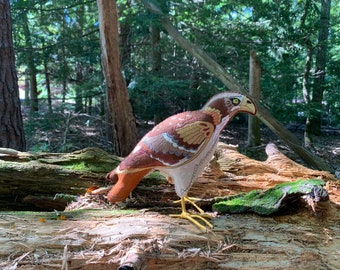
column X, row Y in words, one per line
column 126, row 182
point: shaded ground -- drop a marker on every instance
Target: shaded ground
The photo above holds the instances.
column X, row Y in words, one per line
column 67, row 132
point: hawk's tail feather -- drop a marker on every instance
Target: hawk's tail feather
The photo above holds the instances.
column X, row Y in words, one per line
column 125, row 183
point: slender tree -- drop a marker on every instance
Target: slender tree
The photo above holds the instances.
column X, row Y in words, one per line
column 11, row 125
column 254, row 131
column 120, row 110
column 31, row 64
column 313, row 124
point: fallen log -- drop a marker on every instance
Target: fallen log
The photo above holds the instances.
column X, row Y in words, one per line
column 42, row 175
column 147, row 237
column 45, row 180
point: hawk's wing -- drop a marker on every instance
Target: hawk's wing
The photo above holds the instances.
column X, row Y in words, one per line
column 173, row 142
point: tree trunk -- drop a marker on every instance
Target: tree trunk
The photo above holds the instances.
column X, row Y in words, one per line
column 27, row 89
column 309, row 60
column 254, row 132
column 313, row 123
column 262, row 113
column 11, row 125
column 79, row 106
column 31, row 65
column 125, row 38
column 143, row 236
column 120, row 110
column 48, row 85
column 156, row 50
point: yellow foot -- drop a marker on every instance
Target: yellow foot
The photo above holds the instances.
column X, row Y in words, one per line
column 192, row 201
column 192, row 217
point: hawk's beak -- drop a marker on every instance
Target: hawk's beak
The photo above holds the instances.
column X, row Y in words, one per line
column 248, row 106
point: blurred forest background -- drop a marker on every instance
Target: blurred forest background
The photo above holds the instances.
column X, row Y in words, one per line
column 62, row 87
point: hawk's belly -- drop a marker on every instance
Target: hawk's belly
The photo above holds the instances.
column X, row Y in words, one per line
column 185, row 175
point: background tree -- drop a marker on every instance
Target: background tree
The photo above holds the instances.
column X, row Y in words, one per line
column 120, row 110
column 11, row 125
column 162, row 78
column 313, row 123
column 254, row 129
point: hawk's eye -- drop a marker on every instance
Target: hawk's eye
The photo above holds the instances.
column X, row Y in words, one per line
column 235, row 101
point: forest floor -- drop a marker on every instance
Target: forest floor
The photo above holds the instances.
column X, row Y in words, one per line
column 67, row 132
column 325, row 146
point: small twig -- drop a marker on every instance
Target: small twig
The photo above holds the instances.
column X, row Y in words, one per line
column 14, row 264
column 64, row 265
column 134, row 259
column 8, row 152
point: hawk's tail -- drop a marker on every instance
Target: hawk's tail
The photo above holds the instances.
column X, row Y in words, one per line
column 125, row 182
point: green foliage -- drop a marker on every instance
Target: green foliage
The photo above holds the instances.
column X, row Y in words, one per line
column 65, row 40
column 156, row 98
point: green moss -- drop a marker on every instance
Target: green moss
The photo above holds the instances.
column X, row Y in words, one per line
column 79, row 166
column 302, row 186
column 154, row 178
column 265, row 202
column 65, row 197
column 88, row 166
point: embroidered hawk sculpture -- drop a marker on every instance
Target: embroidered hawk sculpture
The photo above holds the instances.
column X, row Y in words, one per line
column 180, row 146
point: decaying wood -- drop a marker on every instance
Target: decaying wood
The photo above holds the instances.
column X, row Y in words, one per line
column 134, row 259
column 254, row 128
column 231, row 172
column 26, row 177
column 148, row 237
column 101, row 239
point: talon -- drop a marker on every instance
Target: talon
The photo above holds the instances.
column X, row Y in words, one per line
column 191, row 217
column 192, row 201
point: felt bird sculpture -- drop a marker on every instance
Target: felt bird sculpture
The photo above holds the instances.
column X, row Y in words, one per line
column 180, row 146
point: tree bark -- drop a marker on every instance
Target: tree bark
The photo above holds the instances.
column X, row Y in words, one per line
column 48, row 85
column 11, row 125
column 156, row 51
column 120, row 110
column 125, row 39
column 254, row 132
column 45, row 174
column 262, row 113
column 28, row 179
column 79, row 106
column 306, row 90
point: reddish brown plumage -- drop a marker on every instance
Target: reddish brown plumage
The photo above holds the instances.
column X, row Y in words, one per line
column 180, row 146
column 126, row 182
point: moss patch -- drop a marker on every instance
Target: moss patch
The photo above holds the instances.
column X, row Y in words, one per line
column 267, row 202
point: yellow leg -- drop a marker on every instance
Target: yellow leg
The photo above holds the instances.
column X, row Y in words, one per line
column 192, row 201
column 191, row 217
